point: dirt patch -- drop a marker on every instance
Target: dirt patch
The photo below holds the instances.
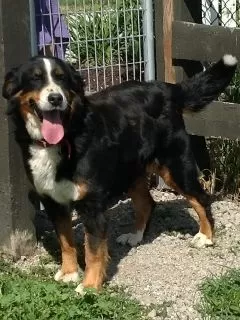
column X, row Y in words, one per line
column 165, row 269
column 100, row 78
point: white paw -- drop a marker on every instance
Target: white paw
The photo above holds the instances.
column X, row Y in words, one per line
column 200, row 240
column 68, row 277
column 80, row 289
column 131, row 238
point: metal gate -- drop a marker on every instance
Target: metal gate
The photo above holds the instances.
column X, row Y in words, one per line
column 109, row 41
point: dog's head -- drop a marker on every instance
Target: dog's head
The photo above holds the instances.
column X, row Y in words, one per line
column 43, row 90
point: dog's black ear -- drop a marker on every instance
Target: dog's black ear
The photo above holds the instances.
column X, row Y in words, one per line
column 11, row 84
column 78, row 82
column 12, row 106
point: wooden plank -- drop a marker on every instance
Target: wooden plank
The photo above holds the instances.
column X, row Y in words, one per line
column 16, row 211
column 167, row 40
column 219, row 119
column 184, row 10
column 191, row 11
column 187, row 10
column 204, row 43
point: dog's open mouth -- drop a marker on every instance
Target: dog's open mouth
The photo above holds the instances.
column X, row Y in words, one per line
column 51, row 124
column 52, row 127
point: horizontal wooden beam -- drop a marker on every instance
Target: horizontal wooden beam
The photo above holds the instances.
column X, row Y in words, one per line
column 219, row 119
column 200, row 42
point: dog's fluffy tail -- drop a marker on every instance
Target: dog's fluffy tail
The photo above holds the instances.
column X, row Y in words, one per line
column 205, row 86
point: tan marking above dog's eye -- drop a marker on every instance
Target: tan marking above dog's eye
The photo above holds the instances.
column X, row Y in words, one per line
column 59, row 73
column 37, row 74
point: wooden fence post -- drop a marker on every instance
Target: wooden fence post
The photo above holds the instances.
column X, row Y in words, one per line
column 173, row 70
column 16, row 212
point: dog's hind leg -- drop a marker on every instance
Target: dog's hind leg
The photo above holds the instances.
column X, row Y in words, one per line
column 143, row 205
column 181, row 175
column 61, row 218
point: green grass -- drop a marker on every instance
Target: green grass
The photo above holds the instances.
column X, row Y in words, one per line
column 34, row 296
column 221, row 297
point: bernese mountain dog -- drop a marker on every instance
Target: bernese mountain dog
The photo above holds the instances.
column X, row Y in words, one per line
column 80, row 151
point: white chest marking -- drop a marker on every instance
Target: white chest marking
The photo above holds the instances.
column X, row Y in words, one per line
column 43, row 164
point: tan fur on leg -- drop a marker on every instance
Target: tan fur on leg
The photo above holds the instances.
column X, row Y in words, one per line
column 69, row 269
column 96, row 257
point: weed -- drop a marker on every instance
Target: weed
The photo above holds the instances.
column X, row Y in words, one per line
column 225, row 160
column 23, row 295
column 225, row 153
column 221, row 297
column 46, row 259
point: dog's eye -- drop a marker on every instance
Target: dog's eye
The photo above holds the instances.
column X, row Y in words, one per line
column 37, row 76
column 60, row 76
column 31, row 102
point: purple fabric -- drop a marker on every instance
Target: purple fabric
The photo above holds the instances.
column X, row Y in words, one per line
column 50, row 26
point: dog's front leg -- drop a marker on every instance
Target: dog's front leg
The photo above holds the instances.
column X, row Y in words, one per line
column 61, row 218
column 96, row 251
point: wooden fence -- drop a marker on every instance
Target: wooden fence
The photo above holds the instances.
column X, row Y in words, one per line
column 182, row 41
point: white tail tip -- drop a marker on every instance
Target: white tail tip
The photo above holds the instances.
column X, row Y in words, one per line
column 229, row 60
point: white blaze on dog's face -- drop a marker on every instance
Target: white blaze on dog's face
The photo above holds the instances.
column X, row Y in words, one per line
column 45, row 88
column 52, row 101
column 52, row 95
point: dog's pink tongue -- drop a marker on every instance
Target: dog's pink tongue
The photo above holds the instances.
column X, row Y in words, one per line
column 52, row 128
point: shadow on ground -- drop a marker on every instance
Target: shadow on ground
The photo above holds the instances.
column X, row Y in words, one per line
column 168, row 217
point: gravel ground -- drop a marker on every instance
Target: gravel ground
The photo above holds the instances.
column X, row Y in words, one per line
column 165, row 269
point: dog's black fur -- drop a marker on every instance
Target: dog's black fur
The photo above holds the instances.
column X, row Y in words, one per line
column 130, row 125
column 120, row 133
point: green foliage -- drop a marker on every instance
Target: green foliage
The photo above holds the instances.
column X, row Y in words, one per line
column 221, row 297
column 225, row 160
column 70, row 3
column 25, row 296
column 225, row 153
column 105, row 35
column 232, row 93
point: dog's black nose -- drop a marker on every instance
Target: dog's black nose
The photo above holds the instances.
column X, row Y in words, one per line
column 55, row 99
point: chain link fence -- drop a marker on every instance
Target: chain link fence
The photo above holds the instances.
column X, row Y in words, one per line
column 224, row 13
column 104, row 39
column 221, row 12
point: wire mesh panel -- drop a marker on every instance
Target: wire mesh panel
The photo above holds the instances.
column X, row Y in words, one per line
column 221, row 12
column 101, row 38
